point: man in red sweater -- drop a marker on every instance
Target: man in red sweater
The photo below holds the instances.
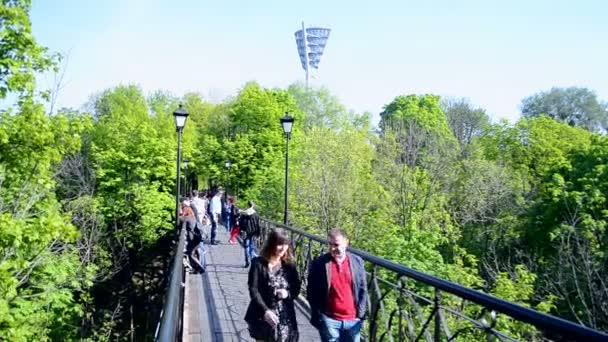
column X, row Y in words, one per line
column 336, row 291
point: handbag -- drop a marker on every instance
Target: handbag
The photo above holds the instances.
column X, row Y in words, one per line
column 260, row 330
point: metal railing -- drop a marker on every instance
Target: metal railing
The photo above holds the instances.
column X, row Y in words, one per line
column 402, row 304
column 170, row 324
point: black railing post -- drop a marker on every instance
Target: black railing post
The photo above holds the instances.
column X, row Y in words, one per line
column 374, row 307
column 400, row 304
column 437, row 303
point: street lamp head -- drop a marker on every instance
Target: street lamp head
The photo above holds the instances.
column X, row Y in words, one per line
column 180, row 115
column 227, row 164
column 287, row 123
column 186, row 162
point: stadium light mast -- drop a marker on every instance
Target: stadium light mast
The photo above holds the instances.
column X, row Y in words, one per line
column 311, row 43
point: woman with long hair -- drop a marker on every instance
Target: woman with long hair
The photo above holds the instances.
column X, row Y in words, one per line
column 274, row 284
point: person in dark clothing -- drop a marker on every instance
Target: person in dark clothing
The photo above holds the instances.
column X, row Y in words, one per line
column 337, row 291
column 249, row 224
column 274, row 284
column 234, row 220
column 196, row 251
column 186, row 214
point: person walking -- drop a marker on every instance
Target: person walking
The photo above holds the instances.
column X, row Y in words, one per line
column 226, row 212
column 249, row 224
column 274, row 284
column 234, row 220
column 337, row 291
column 215, row 209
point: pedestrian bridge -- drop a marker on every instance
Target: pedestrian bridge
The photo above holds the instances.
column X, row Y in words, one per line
column 403, row 304
column 215, row 302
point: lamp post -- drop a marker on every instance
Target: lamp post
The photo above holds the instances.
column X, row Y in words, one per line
column 186, row 162
column 180, row 116
column 227, row 164
column 287, row 123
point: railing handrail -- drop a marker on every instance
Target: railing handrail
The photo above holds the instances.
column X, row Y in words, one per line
column 545, row 322
column 168, row 327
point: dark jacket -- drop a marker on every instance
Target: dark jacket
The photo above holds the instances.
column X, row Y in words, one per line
column 261, row 293
column 234, row 215
column 250, row 224
column 319, row 280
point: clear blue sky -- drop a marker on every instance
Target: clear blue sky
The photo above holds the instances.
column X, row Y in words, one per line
column 493, row 52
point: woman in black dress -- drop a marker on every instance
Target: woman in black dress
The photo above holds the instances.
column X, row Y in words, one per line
column 274, row 284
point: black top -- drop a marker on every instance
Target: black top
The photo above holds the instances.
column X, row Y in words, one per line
column 261, row 292
column 234, row 214
column 250, row 224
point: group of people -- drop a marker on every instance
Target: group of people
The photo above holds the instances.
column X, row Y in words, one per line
column 336, row 291
column 203, row 211
column 196, row 212
column 336, row 285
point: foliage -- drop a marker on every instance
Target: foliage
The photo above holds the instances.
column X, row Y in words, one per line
column 534, row 145
column 574, row 106
column 567, row 226
column 423, row 110
column 254, row 145
column 40, row 269
column 133, row 162
column 320, row 107
column 331, row 181
column 20, row 55
column 464, row 121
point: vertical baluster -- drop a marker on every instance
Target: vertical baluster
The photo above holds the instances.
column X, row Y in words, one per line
column 400, row 304
column 373, row 307
column 437, row 303
column 409, row 314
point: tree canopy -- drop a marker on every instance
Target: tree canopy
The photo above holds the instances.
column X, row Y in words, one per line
column 575, row 106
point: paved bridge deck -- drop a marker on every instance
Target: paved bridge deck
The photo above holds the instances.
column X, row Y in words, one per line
column 215, row 302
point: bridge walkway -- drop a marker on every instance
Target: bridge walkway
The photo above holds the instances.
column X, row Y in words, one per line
column 215, row 302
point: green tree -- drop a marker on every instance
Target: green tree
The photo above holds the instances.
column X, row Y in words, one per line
column 21, row 57
column 40, row 268
column 568, row 225
column 134, row 163
column 420, row 127
column 247, row 131
column 319, row 106
column 575, row 106
column 331, row 183
column 464, row 121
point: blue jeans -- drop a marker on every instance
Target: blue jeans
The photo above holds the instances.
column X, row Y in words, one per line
column 333, row 330
column 227, row 222
column 201, row 252
column 250, row 250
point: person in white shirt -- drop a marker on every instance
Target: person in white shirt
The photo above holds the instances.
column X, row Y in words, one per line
column 198, row 205
column 215, row 208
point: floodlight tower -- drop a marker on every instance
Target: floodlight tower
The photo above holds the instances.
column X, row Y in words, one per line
column 311, row 43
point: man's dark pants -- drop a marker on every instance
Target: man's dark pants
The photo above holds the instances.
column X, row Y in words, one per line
column 213, row 228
